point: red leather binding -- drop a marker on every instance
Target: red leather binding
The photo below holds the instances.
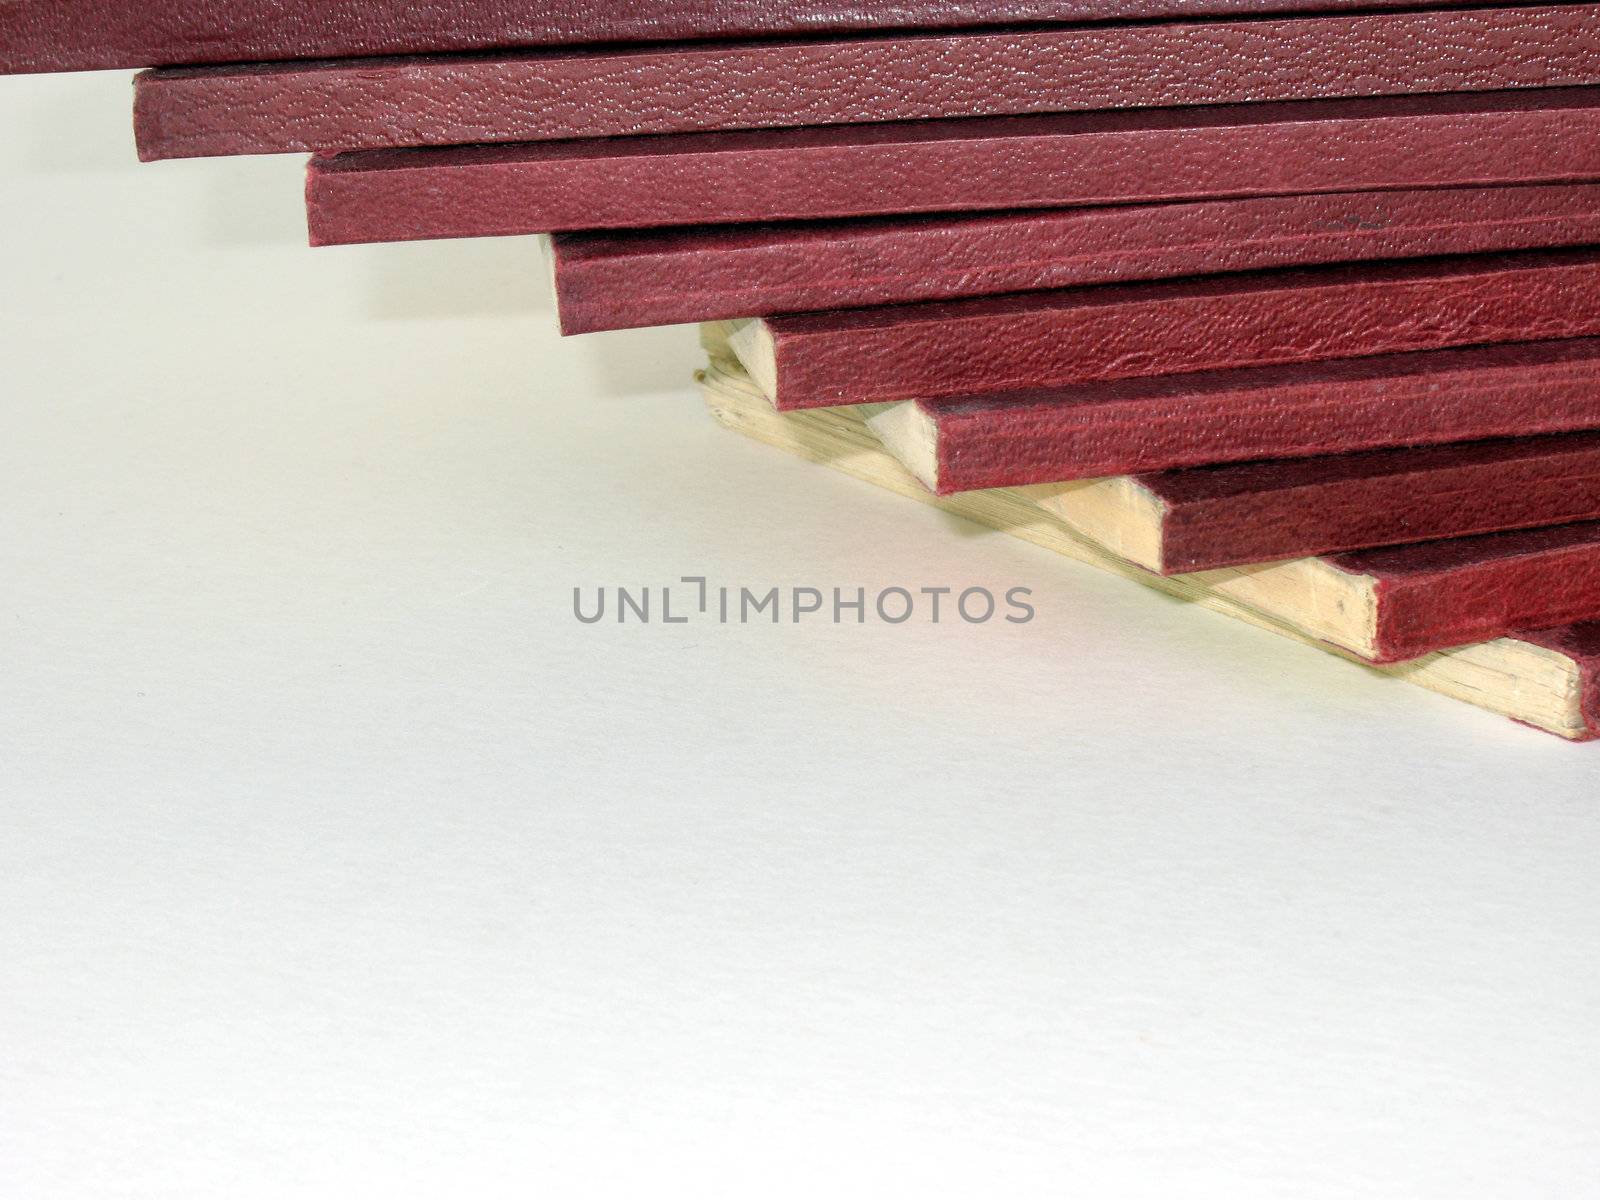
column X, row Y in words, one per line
column 1057, row 339
column 1134, row 426
column 526, row 97
column 1451, row 593
column 82, row 35
column 1536, row 136
column 669, row 277
column 1294, row 508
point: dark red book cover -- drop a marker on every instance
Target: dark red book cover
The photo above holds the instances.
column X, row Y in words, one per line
column 1117, row 331
column 1138, row 426
column 1294, row 508
column 1435, row 595
column 446, row 100
column 82, row 35
column 674, row 276
column 1067, row 160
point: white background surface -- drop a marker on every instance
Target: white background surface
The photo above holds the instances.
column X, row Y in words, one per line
column 338, row 859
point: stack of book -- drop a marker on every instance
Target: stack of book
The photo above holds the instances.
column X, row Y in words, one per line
column 1290, row 307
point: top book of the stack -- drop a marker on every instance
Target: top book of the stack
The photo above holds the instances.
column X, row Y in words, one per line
column 62, row 35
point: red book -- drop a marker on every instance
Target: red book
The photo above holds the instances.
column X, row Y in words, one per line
column 1079, row 335
column 529, row 97
column 1207, row 517
column 1402, row 602
column 675, row 276
column 1474, row 139
column 83, row 35
column 1406, row 601
column 1134, row 426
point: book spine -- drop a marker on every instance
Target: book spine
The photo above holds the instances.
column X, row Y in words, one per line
column 53, row 35
column 1021, row 162
column 1140, row 330
column 447, row 100
column 623, row 281
column 1403, row 505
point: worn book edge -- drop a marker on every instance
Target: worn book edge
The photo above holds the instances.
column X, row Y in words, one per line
column 1528, row 683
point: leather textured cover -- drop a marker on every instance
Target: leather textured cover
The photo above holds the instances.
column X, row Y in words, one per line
column 667, row 277
column 83, row 35
column 452, row 100
column 1435, row 595
column 1067, row 160
column 1135, row 426
column 1078, row 335
column 1580, row 644
column 1294, row 508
